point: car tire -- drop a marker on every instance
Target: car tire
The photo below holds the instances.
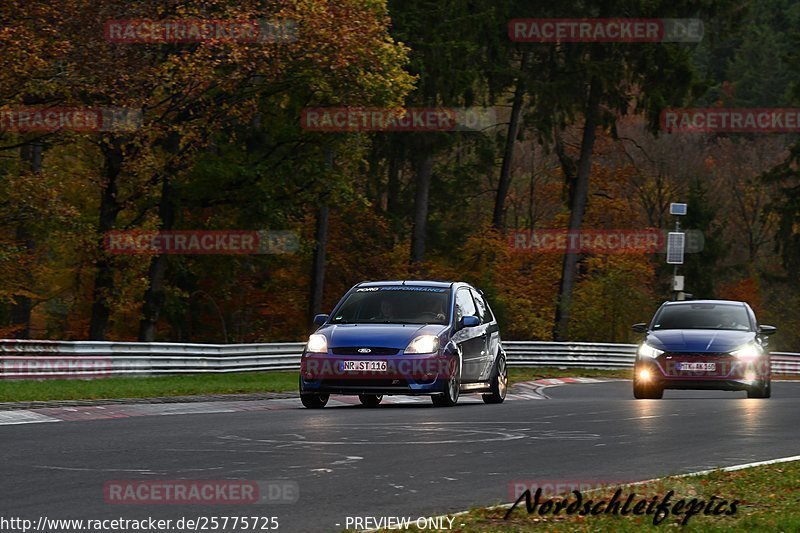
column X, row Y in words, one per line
column 647, row 392
column 313, row 400
column 762, row 391
column 499, row 383
column 370, row 400
column 450, row 397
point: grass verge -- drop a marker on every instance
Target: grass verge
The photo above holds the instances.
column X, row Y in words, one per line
column 198, row 384
column 147, row 387
column 768, row 500
column 516, row 375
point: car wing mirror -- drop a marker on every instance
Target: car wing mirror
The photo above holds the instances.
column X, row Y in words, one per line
column 470, row 321
column 320, row 319
column 767, row 330
column 641, row 327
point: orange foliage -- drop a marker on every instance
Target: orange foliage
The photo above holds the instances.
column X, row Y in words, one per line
column 745, row 290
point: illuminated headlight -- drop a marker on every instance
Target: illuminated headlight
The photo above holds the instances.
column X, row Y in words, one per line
column 317, row 344
column 423, row 344
column 645, row 350
column 748, row 352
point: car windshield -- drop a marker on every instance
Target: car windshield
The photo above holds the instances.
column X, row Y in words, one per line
column 702, row 316
column 395, row 305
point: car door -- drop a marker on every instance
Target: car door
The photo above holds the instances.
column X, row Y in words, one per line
column 489, row 335
column 468, row 339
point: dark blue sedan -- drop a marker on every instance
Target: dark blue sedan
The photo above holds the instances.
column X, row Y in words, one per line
column 405, row 337
column 703, row 344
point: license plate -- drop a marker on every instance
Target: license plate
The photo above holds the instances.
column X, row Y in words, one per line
column 703, row 367
column 364, row 366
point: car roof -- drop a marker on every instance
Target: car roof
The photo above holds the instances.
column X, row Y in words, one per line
column 724, row 302
column 418, row 283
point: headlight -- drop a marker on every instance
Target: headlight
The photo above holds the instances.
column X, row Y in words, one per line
column 317, row 344
column 423, row 344
column 645, row 350
column 748, row 352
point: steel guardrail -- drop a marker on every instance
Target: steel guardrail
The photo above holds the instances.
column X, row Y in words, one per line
column 34, row 359
column 20, row 359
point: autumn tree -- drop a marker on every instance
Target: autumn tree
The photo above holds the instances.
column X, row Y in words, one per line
column 599, row 82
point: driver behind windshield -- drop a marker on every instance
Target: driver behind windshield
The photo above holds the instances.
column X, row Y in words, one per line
column 728, row 321
column 386, row 311
column 436, row 308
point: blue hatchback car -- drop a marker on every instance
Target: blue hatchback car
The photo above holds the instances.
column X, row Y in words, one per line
column 405, row 337
column 703, row 344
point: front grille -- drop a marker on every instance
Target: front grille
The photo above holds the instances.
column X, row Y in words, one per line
column 364, row 383
column 697, row 354
column 373, row 351
column 672, row 364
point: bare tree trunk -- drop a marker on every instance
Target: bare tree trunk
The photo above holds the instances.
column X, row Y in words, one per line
column 23, row 305
column 318, row 263
column 153, row 301
column 508, row 154
column 567, row 167
column 579, row 199
column 104, row 269
column 393, row 184
column 394, row 187
column 154, row 295
column 531, row 194
column 421, row 199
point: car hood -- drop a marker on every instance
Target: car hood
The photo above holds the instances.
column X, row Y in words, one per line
column 377, row 335
column 698, row 340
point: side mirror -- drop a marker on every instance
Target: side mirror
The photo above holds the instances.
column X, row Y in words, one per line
column 470, row 321
column 764, row 329
column 320, row 319
column 641, row 327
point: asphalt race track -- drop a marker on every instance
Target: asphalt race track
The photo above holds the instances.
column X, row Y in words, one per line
column 397, row 460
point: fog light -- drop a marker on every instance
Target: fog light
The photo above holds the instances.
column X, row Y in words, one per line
column 645, row 375
column 750, row 376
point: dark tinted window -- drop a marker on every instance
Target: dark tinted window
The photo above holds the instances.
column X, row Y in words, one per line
column 464, row 304
column 394, row 305
column 702, row 316
column 483, row 310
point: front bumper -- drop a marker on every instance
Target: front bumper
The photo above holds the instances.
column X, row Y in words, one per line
column 667, row 371
column 405, row 374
